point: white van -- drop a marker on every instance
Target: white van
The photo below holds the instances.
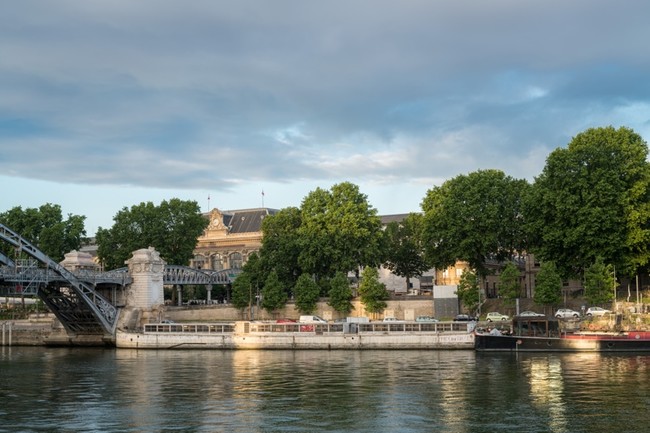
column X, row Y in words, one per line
column 312, row 319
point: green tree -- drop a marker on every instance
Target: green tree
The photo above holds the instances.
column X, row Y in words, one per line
column 281, row 245
column 600, row 282
column 246, row 287
column 472, row 218
column 548, row 285
column 468, row 291
column 181, row 223
column 242, row 294
column 306, row 294
column 404, row 248
column 340, row 231
column 373, row 293
column 45, row 228
column 592, row 199
column 274, row 295
column 340, row 294
column 509, row 283
column 171, row 228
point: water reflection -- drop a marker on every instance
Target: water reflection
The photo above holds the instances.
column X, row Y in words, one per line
column 319, row 391
column 547, row 389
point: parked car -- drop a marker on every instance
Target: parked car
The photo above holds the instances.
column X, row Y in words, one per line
column 496, row 317
column 285, row 321
column 566, row 313
column 426, row 319
column 465, row 318
column 167, row 321
column 597, row 311
column 392, row 320
column 530, row 314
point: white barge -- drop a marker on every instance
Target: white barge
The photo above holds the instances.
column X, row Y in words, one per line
column 330, row 336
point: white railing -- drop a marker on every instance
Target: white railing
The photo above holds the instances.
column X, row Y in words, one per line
column 312, row 328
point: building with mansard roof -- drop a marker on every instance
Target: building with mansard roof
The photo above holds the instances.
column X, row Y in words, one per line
column 231, row 236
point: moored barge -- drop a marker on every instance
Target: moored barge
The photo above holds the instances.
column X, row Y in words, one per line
column 329, row 336
column 542, row 334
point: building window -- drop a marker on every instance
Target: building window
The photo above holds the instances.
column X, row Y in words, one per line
column 217, row 263
column 198, row 262
column 235, row 261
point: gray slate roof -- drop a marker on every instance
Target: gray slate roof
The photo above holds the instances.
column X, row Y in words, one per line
column 246, row 220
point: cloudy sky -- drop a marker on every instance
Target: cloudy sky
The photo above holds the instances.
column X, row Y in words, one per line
column 106, row 104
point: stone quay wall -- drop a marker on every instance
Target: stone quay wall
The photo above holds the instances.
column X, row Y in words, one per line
column 403, row 309
column 45, row 329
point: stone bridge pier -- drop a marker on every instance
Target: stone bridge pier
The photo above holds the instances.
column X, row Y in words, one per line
column 144, row 297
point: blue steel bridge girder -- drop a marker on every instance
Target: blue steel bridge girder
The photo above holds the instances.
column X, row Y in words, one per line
column 78, row 306
column 4, row 260
column 182, row 275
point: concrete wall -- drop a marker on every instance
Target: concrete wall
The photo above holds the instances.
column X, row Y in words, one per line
column 291, row 340
column 403, row 309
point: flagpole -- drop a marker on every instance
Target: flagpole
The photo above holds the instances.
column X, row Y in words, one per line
column 262, row 198
column 208, row 202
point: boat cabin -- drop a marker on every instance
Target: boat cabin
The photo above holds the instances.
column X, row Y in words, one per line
column 535, row 326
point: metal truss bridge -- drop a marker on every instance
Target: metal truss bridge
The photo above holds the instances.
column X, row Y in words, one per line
column 80, row 300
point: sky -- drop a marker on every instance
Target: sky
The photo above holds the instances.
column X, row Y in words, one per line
column 239, row 104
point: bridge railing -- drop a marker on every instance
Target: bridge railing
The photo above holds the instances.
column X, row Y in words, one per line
column 190, row 328
column 46, row 275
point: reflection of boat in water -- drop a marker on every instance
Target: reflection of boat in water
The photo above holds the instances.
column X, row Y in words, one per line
column 541, row 334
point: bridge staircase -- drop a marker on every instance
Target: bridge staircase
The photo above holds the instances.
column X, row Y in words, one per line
column 80, row 308
column 84, row 311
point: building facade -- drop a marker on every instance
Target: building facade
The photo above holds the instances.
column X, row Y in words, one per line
column 230, row 238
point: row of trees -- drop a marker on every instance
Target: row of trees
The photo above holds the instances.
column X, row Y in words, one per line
column 171, row 227
column 589, row 207
column 308, row 252
column 591, row 200
column 599, row 283
column 46, row 228
column 585, row 215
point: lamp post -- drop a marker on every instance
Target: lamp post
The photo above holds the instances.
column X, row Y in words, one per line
column 250, row 302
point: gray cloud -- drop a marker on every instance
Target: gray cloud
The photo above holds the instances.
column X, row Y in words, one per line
column 172, row 94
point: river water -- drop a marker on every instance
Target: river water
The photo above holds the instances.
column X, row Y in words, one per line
column 108, row 390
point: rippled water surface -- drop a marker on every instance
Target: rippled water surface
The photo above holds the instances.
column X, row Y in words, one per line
column 105, row 390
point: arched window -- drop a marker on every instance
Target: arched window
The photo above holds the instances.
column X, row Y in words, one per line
column 235, row 261
column 198, row 262
column 217, row 263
